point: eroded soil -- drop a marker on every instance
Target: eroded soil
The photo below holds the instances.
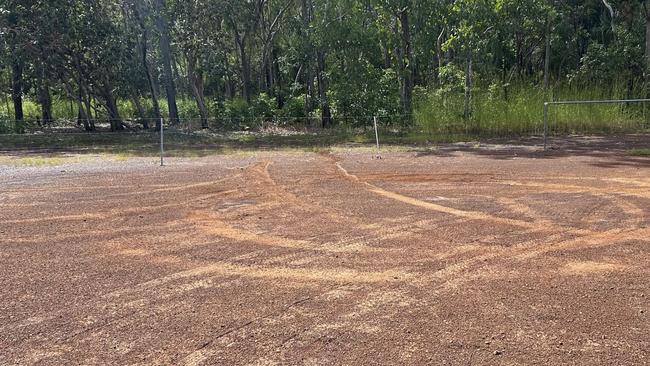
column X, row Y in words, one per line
column 306, row 258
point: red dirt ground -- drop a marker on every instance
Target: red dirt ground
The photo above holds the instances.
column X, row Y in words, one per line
column 450, row 257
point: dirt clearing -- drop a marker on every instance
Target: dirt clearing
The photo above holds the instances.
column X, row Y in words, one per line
column 444, row 257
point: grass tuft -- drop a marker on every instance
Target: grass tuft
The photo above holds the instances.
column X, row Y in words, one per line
column 639, row 152
column 39, row 161
column 518, row 110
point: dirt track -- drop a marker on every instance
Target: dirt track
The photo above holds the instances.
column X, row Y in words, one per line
column 289, row 258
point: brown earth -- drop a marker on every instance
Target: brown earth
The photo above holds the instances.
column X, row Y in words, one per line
column 449, row 257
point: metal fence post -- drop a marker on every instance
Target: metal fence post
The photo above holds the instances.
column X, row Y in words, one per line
column 376, row 136
column 545, row 124
column 162, row 149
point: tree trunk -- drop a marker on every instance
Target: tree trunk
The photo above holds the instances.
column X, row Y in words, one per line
column 245, row 66
column 547, row 57
column 277, row 81
column 82, row 116
column 17, row 94
column 147, row 71
column 89, row 122
column 307, row 10
column 267, row 75
column 195, row 81
column 141, row 112
column 407, row 54
column 166, row 54
column 647, row 46
column 439, row 55
column 44, row 97
column 145, row 64
column 326, row 113
column 467, row 111
column 111, row 107
column 45, row 100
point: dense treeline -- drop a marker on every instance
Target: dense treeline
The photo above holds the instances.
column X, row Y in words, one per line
column 337, row 60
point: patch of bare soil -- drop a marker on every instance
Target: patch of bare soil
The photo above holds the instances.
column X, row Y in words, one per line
column 455, row 258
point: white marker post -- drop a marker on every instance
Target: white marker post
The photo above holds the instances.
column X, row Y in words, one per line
column 162, row 149
column 377, row 137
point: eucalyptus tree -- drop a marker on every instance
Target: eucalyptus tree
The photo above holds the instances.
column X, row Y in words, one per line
column 243, row 20
column 141, row 14
column 469, row 35
column 198, row 31
column 162, row 25
column 13, row 24
column 399, row 22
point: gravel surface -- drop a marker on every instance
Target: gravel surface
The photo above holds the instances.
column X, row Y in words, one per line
column 500, row 255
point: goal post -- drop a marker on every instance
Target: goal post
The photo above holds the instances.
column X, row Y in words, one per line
column 567, row 102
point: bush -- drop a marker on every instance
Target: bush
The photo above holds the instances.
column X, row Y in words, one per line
column 238, row 113
column 356, row 101
column 5, row 126
column 292, row 111
column 263, row 106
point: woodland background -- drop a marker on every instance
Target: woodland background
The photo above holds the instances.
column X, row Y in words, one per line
column 435, row 64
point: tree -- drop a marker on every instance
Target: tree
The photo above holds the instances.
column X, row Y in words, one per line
column 342, row 59
column 162, row 24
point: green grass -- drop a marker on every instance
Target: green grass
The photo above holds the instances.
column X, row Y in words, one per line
column 40, row 160
column 498, row 111
column 125, row 145
column 519, row 111
column 639, row 152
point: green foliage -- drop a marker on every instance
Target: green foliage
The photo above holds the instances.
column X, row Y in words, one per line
column 640, row 152
column 359, row 59
column 293, row 110
column 503, row 110
column 263, row 106
column 452, row 78
column 357, row 100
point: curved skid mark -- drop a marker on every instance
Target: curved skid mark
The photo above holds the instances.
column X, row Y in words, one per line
column 90, row 234
column 178, row 188
column 637, row 214
column 281, row 196
column 118, row 212
column 473, row 215
column 537, row 225
column 568, row 188
column 212, row 225
column 338, row 275
column 349, row 176
column 434, row 207
column 476, row 267
column 590, row 267
column 607, row 238
column 635, row 182
column 55, row 218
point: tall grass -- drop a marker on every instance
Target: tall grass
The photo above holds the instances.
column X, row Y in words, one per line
column 63, row 108
column 497, row 110
column 500, row 111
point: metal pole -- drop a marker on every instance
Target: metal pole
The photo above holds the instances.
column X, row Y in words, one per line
column 613, row 101
column 377, row 136
column 545, row 124
column 162, row 149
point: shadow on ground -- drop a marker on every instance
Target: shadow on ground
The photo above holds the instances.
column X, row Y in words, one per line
column 614, row 149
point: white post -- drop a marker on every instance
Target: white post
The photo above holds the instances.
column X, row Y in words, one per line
column 377, row 137
column 545, row 124
column 162, row 149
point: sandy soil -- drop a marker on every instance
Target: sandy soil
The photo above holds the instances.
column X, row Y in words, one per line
column 447, row 257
